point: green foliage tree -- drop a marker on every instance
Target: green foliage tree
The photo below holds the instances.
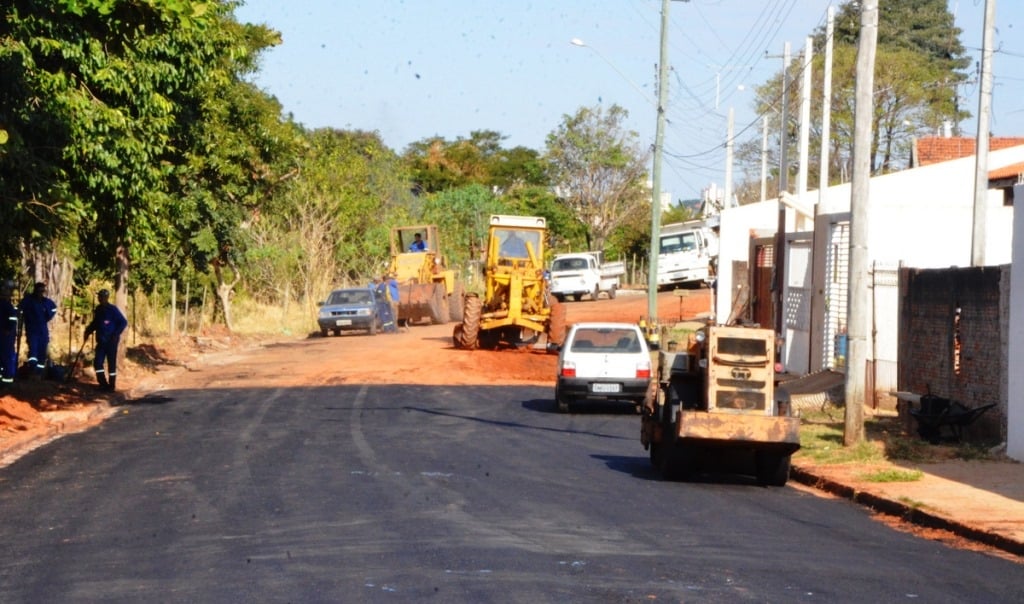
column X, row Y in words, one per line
column 135, row 140
column 437, row 164
column 462, row 216
column 330, row 223
column 918, row 69
column 598, row 170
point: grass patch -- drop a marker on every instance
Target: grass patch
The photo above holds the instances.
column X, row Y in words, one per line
column 821, row 440
column 893, row 475
column 911, row 503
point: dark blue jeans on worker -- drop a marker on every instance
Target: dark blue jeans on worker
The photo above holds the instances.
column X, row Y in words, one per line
column 8, row 358
column 106, row 350
column 38, row 342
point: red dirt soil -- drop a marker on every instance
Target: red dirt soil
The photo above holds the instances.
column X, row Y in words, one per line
column 383, row 359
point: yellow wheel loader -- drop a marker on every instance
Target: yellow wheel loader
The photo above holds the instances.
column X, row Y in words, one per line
column 428, row 289
column 516, row 308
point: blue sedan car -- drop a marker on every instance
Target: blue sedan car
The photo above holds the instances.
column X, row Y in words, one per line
column 353, row 309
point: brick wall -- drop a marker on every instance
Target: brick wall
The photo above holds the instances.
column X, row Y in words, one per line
column 940, row 307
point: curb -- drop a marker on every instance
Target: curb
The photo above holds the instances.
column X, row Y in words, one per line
column 906, row 512
column 19, row 445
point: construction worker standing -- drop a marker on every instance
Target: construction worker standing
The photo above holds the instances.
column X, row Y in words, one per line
column 36, row 311
column 8, row 334
column 108, row 323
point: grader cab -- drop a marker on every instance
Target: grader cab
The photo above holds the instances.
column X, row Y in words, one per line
column 516, row 308
column 428, row 290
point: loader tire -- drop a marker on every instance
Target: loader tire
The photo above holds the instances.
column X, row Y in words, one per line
column 678, row 461
column 470, row 335
column 772, row 468
column 611, row 293
column 557, row 324
column 456, row 303
column 438, row 306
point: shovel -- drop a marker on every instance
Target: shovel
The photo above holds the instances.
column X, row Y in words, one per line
column 76, row 365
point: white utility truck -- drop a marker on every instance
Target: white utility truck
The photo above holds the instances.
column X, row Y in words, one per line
column 583, row 273
column 688, row 252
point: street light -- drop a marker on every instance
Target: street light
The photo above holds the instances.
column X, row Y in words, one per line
column 581, row 44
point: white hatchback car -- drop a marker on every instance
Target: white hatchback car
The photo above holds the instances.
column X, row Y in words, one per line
column 603, row 361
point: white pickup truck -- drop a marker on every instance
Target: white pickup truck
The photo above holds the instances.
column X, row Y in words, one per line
column 576, row 275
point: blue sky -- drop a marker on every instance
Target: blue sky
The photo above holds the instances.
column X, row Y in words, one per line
column 412, row 69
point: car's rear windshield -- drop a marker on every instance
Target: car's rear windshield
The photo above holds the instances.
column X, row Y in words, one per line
column 605, row 339
column 350, row 297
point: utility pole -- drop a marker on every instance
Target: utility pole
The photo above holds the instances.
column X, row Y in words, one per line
column 764, row 157
column 858, row 314
column 826, row 107
column 981, row 144
column 805, row 118
column 780, row 231
column 659, row 143
column 727, row 201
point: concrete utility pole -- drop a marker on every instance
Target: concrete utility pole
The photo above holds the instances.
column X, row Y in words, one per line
column 780, row 230
column 727, row 200
column 659, row 144
column 826, row 107
column 981, row 145
column 858, row 313
column 805, row 118
column 764, row 158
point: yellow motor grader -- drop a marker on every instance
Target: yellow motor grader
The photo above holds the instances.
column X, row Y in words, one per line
column 516, row 308
column 428, row 290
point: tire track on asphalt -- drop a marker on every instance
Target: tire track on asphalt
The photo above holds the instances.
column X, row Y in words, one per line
column 532, row 534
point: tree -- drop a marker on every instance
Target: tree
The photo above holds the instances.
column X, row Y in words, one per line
column 110, row 103
column 462, row 216
column 598, row 170
column 917, row 73
column 437, row 164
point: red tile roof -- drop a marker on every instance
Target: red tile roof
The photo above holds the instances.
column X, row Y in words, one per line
column 935, row 149
column 1011, row 171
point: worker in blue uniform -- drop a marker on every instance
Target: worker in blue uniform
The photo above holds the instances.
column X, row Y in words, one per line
column 107, row 323
column 36, row 313
column 8, row 334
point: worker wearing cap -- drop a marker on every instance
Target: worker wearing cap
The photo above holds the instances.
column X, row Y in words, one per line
column 36, row 312
column 108, row 323
column 8, row 334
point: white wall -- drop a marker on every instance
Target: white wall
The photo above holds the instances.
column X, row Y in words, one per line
column 921, row 218
column 737, row 224
column 1015, row 362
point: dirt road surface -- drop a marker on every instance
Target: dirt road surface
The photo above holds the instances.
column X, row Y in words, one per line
column 32, row 413
column 423, row 354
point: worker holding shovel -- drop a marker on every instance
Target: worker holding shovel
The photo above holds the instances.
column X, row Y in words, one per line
column 107, row 323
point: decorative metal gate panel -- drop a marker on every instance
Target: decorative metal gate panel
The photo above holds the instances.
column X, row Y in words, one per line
column 837, row 276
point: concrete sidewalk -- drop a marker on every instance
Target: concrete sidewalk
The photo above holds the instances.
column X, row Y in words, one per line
column 982, row 501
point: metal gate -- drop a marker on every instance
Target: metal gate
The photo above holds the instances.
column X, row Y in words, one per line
column 797, row 307
column 837, row 276
column 762, row 256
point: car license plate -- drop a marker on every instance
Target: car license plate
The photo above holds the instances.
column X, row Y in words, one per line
column 606, row 388
column 341, row 322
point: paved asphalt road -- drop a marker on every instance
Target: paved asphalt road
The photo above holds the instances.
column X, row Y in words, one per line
column 451, row 494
